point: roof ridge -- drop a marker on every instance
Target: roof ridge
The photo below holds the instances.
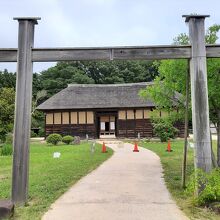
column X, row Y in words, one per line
column 110, row 85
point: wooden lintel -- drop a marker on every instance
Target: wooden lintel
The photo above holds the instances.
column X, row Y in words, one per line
column 117, row 53
column 8, row 55
column 109, row 53
column 213, row 51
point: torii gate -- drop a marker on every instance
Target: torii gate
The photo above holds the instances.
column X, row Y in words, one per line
column 26, row 54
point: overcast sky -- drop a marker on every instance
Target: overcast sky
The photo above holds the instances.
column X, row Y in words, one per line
column 75, row 23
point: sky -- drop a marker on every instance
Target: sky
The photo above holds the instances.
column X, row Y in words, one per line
column 79, row 23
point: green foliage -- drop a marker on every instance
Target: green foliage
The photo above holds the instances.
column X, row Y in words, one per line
column 67, row 139
column 7, row 99
column 41, row 132
column 210, row 182
column 54, row 139
column 9, row 138
column 164, row 129
column 33, row 134
column 7, row 79
column 172, row 78
column 6, row 150
column 99, row 72
column 181, row 39
column 172, row 81
column 211, row 34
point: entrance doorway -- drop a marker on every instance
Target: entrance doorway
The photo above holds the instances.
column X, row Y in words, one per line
column 107, row 126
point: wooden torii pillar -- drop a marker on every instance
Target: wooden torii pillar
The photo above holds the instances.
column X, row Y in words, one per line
column 23, row 104
column 199, row 92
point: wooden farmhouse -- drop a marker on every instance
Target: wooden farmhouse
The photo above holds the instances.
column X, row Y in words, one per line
column 113, row 110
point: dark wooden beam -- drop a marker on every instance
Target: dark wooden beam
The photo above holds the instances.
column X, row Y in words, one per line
column 109, row 53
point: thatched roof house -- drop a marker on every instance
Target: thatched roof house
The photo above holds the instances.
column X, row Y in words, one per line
column 99, row 110
column 89, row 96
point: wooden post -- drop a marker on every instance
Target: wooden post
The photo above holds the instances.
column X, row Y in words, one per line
column 186, row 128
column 23, row 110
column 199, row 92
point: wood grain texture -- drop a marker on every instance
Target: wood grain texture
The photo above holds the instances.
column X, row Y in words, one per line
column 121, row 53
column 22, row 121
column 199, row 91
column 108, row 53
column 8, row 55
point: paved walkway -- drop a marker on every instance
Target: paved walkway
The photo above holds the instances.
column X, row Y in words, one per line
column 128, row 186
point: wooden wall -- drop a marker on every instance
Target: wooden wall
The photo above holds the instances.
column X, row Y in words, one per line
column 129, row 123
column 132, row 122
column 72, row 123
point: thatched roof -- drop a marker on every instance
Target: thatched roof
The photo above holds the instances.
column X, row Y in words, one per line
column 90, row 96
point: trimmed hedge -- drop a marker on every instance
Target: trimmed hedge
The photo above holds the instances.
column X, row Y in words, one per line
column 67, row 139
column 54, row 139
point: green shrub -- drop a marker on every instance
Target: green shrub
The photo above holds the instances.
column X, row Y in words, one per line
column 67, row 139
column 164, row 129
column 54, row 139
column 210, row 182
column 41, row 132
column 33, row 134
column 6, row 150
column 9, row 138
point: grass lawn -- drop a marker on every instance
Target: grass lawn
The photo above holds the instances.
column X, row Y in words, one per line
column 172, row 163
column 50, row 177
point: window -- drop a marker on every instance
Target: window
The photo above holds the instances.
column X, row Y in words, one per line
column 57, row 118
column 74, row 118
column 90, row 118
column 65, row 116
column 112, row 125
column 146, row 114
column 122, row 115
column 102, row 126
column 82, row 117
column 49, row 118
column 130, row 114
column 139, row 114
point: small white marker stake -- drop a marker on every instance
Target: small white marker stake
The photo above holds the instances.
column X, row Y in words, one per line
column 56, row 155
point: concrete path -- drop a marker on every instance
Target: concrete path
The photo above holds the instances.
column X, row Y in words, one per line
column 128, row 186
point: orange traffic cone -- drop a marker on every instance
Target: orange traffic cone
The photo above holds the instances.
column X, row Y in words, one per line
column 135, row 147
column 104, row 148
column 169, row 146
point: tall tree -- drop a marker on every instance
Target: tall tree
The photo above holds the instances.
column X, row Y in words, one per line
column 99, row 72
column 7, row 99
column 7, row 79
column 172, row 78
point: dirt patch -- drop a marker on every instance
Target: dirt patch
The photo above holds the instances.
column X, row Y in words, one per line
column 3, row 177
column 215, row 206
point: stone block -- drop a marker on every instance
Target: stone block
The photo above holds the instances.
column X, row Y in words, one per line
column 6, row 209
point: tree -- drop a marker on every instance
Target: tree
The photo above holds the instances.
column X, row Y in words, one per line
column 172, row 79
column 7, row 99
column 99, row 72
column 7, row 79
